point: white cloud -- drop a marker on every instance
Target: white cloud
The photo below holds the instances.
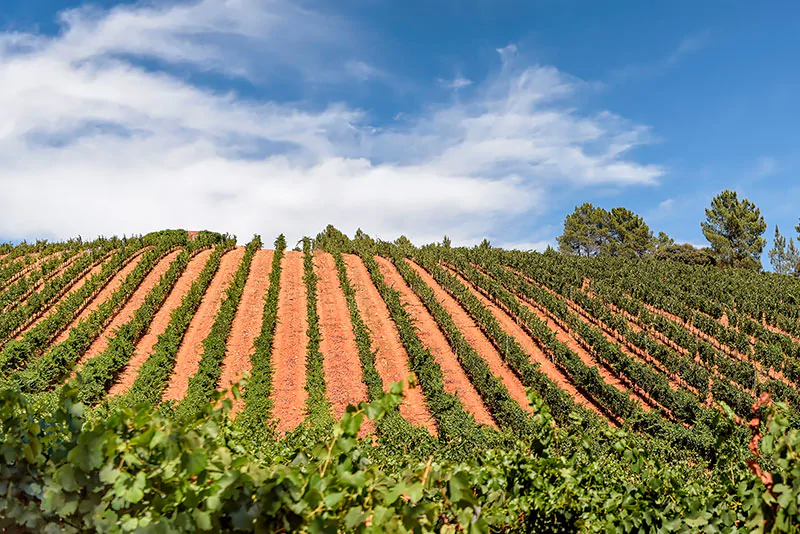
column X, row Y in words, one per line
column 538, row 246
column 766, row 167
column 459, row 82
column 93, row 142
column 362, row 70
column 688, row 46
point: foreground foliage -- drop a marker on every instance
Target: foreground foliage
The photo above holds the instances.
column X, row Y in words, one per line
column 135, row 469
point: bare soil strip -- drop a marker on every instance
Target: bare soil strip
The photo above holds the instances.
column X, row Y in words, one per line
column 341, row 363
column 454, row 378
column 535, row 353
column 126, row 313
column 72, row 289
column 55, row 274
column 26, row 270
column 160, row 322
column 391, row 359
column 101, row 297
column 290, row 346
column 246, row 325
column 617, row 339
column 477, row 339
column 761, row 374
column 41, row 282
column 566, row 337
column 191, row 350
column 776, row 330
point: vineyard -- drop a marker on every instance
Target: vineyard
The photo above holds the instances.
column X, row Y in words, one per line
column 167, row 383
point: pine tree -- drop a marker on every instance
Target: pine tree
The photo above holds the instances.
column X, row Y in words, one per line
column 784, row 256
column 585, row 231
column 734, row 229
column 628, row 234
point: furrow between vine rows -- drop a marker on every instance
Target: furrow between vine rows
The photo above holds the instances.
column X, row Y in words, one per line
column 159, row 324
column 191, row 349
column 290, row 343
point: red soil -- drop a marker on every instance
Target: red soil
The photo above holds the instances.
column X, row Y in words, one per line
column 391, row 359
column 72, row 289
column 41, row 282
column 535, row 353
column 191, row 350
column 455, row 379
column 160, row 322
column 25, row 270
column 477, row 339
column 565, row 337
column 761, row 374
column 627, row 348
column 777, row 330
column 290, row 345
column 58, row 272
column 104, row 295
column 126, row 313
column 246, row 325
column 341, row 363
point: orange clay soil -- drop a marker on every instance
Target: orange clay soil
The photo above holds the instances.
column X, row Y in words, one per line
column 101, row 297
column 627, row 348
column 126, row 313
column 565, row 337
column 777, row 330
column 762, row 374
column 289, row 347
column 455, row 380
column 476, row 338
column 534, row 352
column 160, row 322
column 246, row 325
column 391, row 359
column 22, row 301
column 191, row 350
column 341, row 362
column 58, row 272
column 25, row 270
column 72, row 289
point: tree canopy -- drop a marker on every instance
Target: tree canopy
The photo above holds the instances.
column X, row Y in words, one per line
column 686, row 253
column 734, row 228
column 784, row 256
column 590, row 231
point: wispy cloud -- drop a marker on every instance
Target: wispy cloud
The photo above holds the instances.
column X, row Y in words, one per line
column 766, row 167
column 459, row 82
column 93, row 141
column 688, row 46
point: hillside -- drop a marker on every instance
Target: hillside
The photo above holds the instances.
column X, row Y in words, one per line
column 659, row 358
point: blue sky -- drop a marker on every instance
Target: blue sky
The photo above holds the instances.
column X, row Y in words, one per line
column 470, row 118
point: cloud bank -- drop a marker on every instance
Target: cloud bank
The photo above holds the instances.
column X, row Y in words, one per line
column 105, row 132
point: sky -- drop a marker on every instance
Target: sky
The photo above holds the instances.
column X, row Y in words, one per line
column 469, row 118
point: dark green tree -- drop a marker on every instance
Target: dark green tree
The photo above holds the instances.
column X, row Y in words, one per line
column 687, row 254
column 585, row 231
column 784, row 256
column 628, row 234
column 734, row 228
column 663, row 241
